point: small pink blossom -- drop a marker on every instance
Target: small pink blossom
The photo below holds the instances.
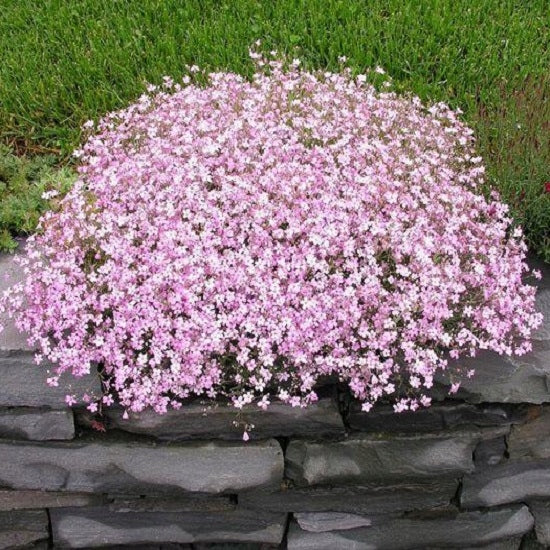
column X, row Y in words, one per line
column 70, row 400
column 454, row 387
column 425, row 401
column 47, row 195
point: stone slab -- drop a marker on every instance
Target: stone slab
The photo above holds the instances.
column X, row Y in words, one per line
column 511, row 543
column 465, row 529
column 22, row 529
column 373, row 499
column 437, row 417
column 83, row 528
column 104, row 466
column 234, row 546
column 11, row 273
column 541, row 513
column 25, row 500
column 505, row 483
column 370, row 458
column 36, row 424
column 502, row 379
column 167, row 546
column 183, row 503
column 204, row 420
column 24, row 383
column 319, row 522
column 532, row 439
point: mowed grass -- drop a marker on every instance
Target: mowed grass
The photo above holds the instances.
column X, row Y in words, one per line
column 65, row 62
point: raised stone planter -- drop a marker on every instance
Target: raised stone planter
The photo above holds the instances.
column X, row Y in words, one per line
column 456, row 475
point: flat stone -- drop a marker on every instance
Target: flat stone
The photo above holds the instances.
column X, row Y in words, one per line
column 19, row 529
column 505, row 483
column 183, row 503
column 234, row 546
column 465, row 415
column 532, row 439
column 105, row 466
column 89, row 527
column 169, row 546
column 11, row 273
column 319, row 522
column 467, row 528
column 437, row 417
column 24, row 383
column 24, row 500
column 373, row 499
column 541, row 512
column 490, row 452
column 36, row 424
column 512, row 543
column 502, row 379
column 209, row 419
column 368, row 458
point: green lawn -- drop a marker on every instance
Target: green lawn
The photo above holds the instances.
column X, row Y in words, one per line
column 63, row 62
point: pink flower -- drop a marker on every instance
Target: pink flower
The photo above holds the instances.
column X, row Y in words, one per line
column 454, row 387
column 70, row 400
column 247, row 238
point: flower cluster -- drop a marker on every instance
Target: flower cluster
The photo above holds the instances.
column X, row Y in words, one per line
column 248, row 238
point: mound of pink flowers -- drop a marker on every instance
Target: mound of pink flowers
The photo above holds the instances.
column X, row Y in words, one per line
column 249, row 238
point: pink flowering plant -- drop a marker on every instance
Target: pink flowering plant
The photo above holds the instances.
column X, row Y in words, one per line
column 249, row 238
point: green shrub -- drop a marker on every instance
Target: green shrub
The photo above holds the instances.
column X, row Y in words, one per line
column 23, row 180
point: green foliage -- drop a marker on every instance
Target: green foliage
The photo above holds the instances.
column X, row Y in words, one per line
column 514, row 134
column 65, row 62
column 22, row 183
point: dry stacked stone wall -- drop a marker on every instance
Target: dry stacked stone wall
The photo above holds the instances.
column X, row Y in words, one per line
column 471, row 472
